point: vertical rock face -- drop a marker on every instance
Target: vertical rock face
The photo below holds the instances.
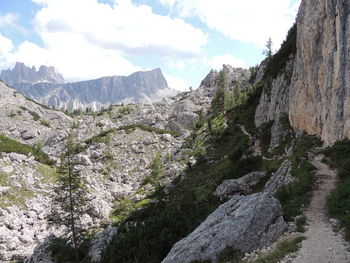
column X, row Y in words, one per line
column 274, row 103
column 319, row 92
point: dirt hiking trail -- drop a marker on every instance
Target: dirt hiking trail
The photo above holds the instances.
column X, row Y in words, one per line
column 322, row 244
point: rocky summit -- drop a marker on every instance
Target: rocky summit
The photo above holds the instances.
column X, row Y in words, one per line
column 23, row 74
column 241, row 169
column 48, row 87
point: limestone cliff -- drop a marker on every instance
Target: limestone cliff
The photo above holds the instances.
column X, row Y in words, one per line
column 319, row 93
column 311, row 82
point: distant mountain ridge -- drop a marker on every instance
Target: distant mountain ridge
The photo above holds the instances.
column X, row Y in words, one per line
column 23, row 74
column 50, row 89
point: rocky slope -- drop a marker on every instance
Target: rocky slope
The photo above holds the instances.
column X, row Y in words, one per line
column 119, row 145
column 49, row 88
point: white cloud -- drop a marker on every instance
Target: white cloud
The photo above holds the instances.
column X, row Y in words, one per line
column 10, row 20
column 251, row 21
column 86, row 39
column 5, row 45
column 216, row 62
column 123, row 26
column 177, row 83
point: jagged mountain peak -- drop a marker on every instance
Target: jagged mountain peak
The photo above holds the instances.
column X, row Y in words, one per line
column 24, row 74
column 139, row 87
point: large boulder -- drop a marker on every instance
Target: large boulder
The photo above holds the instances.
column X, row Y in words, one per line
column 280, row 178
column 241, row 185
column 243, row 223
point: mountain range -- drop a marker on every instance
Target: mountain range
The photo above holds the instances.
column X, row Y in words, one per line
column 253, row 166
column 48, row 87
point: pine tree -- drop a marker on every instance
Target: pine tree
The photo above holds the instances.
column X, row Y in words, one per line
column 221, row 99
column 268, row 48
column 70, row 198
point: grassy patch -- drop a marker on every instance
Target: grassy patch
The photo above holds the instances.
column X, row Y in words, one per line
column 296, row 195
column 339, row 200
column 8, row 145
column 282, row 249
column 49, row 173
column 14, row 195
column 301, row 223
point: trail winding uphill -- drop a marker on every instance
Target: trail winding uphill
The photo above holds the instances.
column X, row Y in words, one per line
column 322, row 244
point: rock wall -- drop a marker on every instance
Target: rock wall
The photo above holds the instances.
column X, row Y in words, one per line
column 274, row 100
column 319, row 100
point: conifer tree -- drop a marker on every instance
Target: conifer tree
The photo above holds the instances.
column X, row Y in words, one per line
column 268, row 48
column 70, row 198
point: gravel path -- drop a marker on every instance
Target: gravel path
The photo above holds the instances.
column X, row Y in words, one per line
column 322, row 245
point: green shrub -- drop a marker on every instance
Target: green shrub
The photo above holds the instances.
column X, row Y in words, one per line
column 279, row 60
column 282, row 249
column 45, row 123
column 264, row 134
column 297, row 194
column 11, row 115
column 8, row 145
column 35, row 115
column 156, row 173
column 339, row 200
column 300, row 223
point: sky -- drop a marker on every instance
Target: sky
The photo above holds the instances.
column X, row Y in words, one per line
column 87, row 39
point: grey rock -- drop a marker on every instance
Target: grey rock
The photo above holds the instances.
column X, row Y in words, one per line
column 243, row 223
column 280, row 178
column 319, row 91
column 139, row 87
column 23, row 74
column 100, row 242
column 29, row 134
column 241, row 185
column 41, row 253
column 274, row 100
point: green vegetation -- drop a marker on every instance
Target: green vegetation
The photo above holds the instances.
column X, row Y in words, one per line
column 278, row 61
column 14, row 195
column 45, row 123
column 49, row 173
column 70, row 200
column 125, row 110
column 283, row 249
column 11, row 115
column 156, row 173
column 8, row 145
column 301, row 223
column 264, row 134
column 61, row 251
column 123, row 208
column 296, row 195
column 229, row 255
column 339, row 200
column 35, row 115
column 170, row 217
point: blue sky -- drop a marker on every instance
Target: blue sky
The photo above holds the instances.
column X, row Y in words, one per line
column 87, row 39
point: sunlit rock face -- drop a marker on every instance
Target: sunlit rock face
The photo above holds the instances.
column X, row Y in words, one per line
column 319, row 92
